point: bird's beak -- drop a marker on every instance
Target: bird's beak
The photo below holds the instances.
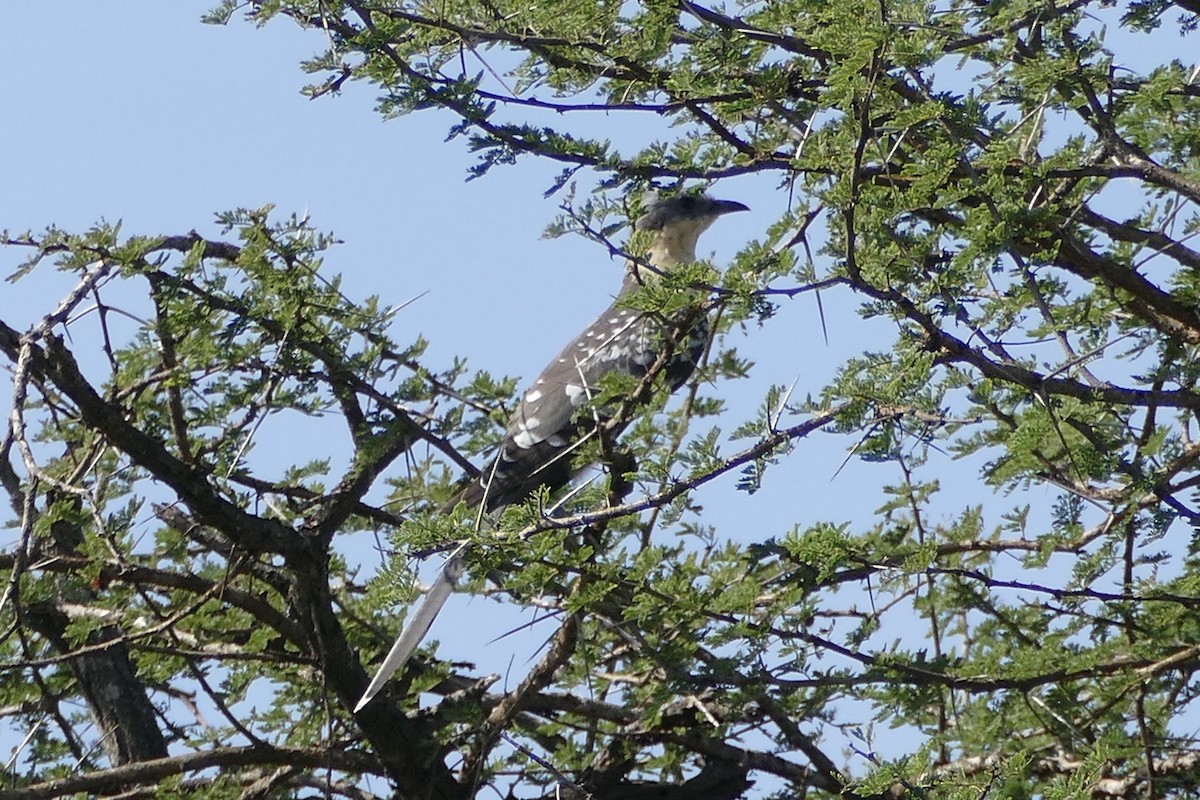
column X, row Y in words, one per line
column 729, row 206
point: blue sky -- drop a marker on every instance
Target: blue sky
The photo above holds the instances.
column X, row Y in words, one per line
column 136, row 111
column 139, row 113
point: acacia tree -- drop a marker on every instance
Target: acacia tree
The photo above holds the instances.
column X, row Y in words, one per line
column 999, row 181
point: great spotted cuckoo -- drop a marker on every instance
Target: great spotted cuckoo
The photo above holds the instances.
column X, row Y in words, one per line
column 551, row 420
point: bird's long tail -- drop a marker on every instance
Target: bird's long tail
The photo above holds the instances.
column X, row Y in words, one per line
column 416, row 628
column 476, row 494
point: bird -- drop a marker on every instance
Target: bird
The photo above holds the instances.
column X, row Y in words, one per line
column 548, row 423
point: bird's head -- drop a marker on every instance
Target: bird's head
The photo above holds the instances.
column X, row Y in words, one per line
column 675, row 224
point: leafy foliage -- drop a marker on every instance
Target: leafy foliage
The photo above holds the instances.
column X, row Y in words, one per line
column 996, row 183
